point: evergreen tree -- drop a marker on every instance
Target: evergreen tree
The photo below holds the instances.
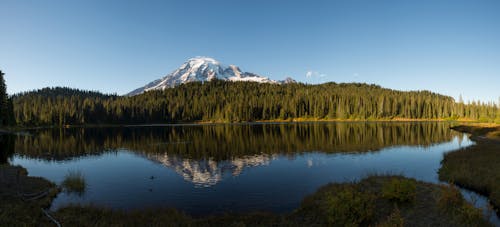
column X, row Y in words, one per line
column 241, row 101
column 11, row 118
column 3, row 101
column 7, row 117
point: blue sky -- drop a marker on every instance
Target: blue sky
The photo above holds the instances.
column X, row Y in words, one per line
column 450, row 47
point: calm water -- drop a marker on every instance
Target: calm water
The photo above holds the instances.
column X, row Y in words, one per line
column 220, row 168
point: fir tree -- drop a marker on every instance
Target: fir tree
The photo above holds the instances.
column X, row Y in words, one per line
column 240, row 101
column 3, row 101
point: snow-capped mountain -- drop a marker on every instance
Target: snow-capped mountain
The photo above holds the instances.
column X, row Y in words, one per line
column 204, row 69
column 288, row 80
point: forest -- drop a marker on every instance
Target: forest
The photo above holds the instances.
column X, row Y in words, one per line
column 222, row 101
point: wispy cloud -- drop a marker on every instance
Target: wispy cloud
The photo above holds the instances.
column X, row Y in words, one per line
column 310, row 74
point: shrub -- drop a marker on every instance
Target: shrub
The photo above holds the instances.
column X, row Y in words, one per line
column 471, row 215
column 393, row 220
column 452, row 201
column 450, row 198
column 400, row 190
column 348, row 206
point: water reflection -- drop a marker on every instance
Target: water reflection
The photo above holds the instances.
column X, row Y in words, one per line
column 204, row 154
column 7, row 143
column 224, row 142
column 221, row 168
column 206, row 173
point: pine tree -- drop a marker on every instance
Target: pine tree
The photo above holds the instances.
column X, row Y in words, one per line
column 3, row 101
column 240, row 101
column 7, row 117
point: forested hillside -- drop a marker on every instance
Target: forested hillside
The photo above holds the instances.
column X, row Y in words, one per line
column 241, row 101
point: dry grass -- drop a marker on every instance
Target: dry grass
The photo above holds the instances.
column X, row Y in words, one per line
column 74, row 182
column 16, row 206
column 476, row 167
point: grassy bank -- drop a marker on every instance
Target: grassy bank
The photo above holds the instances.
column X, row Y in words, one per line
column 374, row 201
column 23, row 198
column 476, row 167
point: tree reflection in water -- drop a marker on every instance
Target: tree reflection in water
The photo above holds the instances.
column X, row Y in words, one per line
column 203, row 154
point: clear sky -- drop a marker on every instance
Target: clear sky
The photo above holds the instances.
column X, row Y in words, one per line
column 451, row 47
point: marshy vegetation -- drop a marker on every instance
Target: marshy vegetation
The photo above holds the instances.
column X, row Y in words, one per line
column 74, row 182
column 388, row 201
column 24, row 198
column 400, row 190
column 476, row 167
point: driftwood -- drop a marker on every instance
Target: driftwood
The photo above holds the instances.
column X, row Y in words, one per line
column 33, row 196
column 51, row 218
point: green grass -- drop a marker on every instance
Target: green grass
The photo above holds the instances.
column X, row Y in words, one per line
column 380, row 210
column 451, row 201
column 74, row 182
column 400, row 190
column 476, row 167
column 393, row 220
column 347, row 205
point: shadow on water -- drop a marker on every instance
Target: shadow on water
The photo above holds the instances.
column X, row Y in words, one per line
column 7, row 145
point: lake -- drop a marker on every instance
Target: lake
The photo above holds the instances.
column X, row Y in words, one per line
column 209, row 169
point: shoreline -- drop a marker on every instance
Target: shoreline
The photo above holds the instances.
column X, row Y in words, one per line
column 476, row 168
column 21, row 129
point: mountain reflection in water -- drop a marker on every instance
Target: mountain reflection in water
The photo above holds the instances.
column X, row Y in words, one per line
column 205, row 169
column 206, row 173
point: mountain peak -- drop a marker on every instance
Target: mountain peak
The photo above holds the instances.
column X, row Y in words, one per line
column 202, row 59
column 199, row 69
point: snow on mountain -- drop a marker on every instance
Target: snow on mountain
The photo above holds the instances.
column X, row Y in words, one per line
column 204, row 69
column 288, row 80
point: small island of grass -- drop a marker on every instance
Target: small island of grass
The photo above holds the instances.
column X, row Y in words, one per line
column 74, row 182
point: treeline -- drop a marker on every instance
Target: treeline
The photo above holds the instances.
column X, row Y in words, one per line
column 61, row 106
column 6, row 106
column 241, row 101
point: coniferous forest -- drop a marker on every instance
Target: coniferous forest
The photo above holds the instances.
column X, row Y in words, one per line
column 223, row 101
